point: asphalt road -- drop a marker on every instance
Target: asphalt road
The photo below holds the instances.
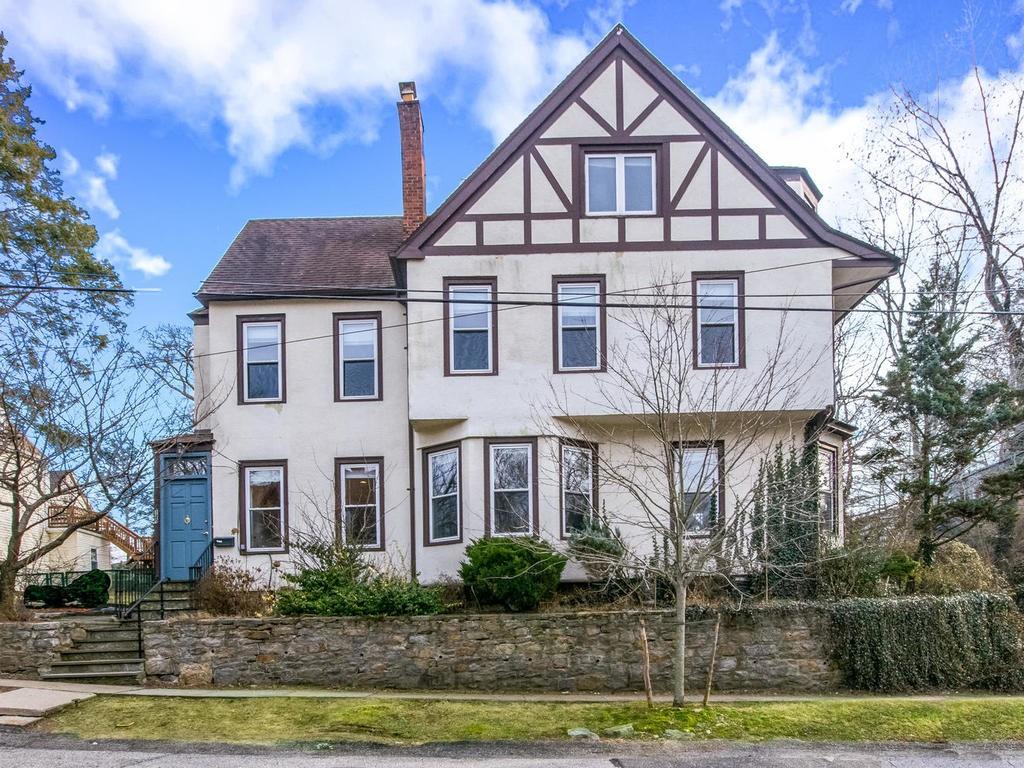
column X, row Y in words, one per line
column 36, row 750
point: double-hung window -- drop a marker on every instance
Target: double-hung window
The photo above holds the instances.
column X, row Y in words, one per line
column 700, row 486
column 718, row 320
column 511, row 501
column 359, row 502
column 620, row 183
column 442, row 483
column 828, row 489
column 358, row 351
column 470, row 320
column 578, row 486
column 579, row 320
column 265, row 498
column 261, row 361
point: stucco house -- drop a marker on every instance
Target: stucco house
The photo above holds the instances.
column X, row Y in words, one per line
column 416, row 382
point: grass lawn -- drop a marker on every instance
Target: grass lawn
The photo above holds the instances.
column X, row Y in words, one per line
column 396, row 721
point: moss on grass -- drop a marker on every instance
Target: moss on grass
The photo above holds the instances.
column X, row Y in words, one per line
column 397, row 721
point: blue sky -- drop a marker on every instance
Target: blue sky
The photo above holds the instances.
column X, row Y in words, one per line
column 175, row 124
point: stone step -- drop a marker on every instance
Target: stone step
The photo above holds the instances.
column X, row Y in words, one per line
column 113, row 634
column 74, row 654
column 178, row 586
column 168, row 597
column 120, row 647
column 131, row 664
column 100, row 678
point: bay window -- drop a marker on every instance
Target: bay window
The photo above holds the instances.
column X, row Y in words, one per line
column 511, row 502
column 579, row 486
column 442, row 481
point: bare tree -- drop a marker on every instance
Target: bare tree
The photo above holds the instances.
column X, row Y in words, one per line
column 669, row 434
column 80, row 413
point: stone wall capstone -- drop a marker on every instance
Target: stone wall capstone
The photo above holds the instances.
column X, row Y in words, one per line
column 781, row 648
column 28, row 648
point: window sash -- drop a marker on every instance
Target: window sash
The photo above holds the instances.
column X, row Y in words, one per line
column 582, row 489
column 701, row 490
column 250, row 509
column 568, row 299
column 434, row 496
column 705, row 308
column 827, row 476
column 263, row 348
column 479, row 317
column 620, row 183
column 372, row 472
column 517, row 491
column 370, row 326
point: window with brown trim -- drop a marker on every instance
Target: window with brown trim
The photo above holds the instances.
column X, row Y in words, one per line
column 261, row 359
column 511, row 484
column 263, row 497
column 358, row 368
column 828, row 488
column 579, row 323
column 360, row 489
column 442, row 484
column 718, row 328
column 578, row 476
column 470, row 326
column 620, row 183
column 701, row 486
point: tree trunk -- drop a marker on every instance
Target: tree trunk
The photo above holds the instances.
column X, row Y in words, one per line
column 10, row 606
column 645, row 649
column 679, row 665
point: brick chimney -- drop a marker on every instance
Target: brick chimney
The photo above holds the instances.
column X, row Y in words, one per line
column 410, row 126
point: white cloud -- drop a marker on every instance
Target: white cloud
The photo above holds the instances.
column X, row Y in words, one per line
column 850, row 6
column 106, row 163
column 260, row 68
column 91, row 186
column 113, row 247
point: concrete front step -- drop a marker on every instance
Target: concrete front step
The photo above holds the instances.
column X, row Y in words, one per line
column 109, row 678
column 129, row 664
column 112, row 635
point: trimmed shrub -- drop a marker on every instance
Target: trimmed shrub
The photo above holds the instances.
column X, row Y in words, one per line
column 850, row 572
column 335, row 593
column 513, row 572
column 90, row 590
column 910, row 644
column 50, row 596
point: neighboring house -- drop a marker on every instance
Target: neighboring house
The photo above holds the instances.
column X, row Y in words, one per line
column 348, row 398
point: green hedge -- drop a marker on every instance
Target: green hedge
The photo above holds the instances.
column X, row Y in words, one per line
column 909, row 644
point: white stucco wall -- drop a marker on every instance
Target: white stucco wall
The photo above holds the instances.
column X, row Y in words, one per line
column 310, row 429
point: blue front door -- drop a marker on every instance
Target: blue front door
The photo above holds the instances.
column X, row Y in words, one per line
column 185, row 519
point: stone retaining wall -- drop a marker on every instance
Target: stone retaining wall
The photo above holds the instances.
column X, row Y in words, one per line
column 780, row 648
column 28, row 648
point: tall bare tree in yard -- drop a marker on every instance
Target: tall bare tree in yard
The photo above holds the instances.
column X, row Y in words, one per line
column 668, row 434
column 70, row 400
column 963, row 171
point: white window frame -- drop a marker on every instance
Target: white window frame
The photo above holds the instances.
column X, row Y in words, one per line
column 429, row 480
column 246, row 325
column 344, row 505
column 598, row 330
column 528, row 490
column 340, row 330
column 487, row 312
column 279, row 468
column 734, row 285
column 711, row 451
column 825, row 450
column 620, row 183
column 591, row 461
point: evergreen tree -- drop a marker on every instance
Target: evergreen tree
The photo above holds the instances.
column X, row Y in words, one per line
column 939, row 422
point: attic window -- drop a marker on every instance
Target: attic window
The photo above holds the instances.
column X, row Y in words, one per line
column 620, row 183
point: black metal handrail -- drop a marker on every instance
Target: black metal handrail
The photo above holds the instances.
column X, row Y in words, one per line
column 202, row 565
column 156, row 584
column 128, row 587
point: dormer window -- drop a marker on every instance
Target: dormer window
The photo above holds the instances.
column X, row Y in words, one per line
column 620, row 183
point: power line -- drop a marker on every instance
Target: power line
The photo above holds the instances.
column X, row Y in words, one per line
column 74, row 288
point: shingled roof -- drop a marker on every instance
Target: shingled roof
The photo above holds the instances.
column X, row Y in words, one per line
column 316, row 256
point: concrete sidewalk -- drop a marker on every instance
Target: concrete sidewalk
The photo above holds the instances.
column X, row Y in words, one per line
column 327, row 693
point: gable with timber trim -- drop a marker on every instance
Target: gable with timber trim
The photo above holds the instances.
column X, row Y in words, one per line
column 711, row 191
